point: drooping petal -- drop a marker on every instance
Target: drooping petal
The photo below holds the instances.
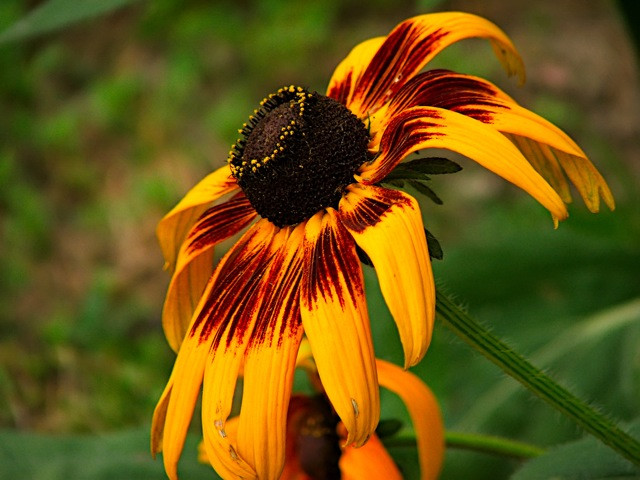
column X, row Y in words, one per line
column 371, row 461
column 425, row 415
column 215, row 322
column 159, row 418
column 413, row 43
column 195, row 262
column 348, row 71
column 420, row 128
column 336, row 322
column 551, row 162
column 545, row 146
column 387, row 225
column 228, row 319
column 175, row 408
column 270, row 363
column 173, row 228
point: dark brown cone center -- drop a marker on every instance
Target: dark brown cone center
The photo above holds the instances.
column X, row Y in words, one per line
column 298, row 154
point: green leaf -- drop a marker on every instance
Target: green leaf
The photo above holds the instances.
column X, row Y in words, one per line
column 585, row 459
column 388, row 427
column 421, row 167
column 91, row 457
column 56, row 14
column 426, row 191
column 433, row 245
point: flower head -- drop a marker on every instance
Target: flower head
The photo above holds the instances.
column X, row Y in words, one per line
column 304, row 181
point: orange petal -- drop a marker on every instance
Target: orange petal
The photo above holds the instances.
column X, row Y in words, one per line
column 227, row 320
column 412, row 44
column 175, row 408
column 195, row 262
column 371, row 461
column 420, row 128
column 270, row 362
column 336, row 322
column 173, row 228
column 551, row 162
column 425, row 415
column 387, row 225
column 343, row 80
column 215, row 322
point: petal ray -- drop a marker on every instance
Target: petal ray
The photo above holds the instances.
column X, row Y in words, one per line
column 213, row 323
column 173, row 228
column 413, row 43
column 336, row 322
column 228, row 322
column 343, row 80
column 553, row 163
column 387, row 225
column 425, row 415
column 195, row 262
column 369, row 461
column 270, row 363
column 420, row 128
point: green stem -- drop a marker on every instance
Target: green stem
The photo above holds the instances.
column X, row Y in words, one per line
column 478, row 443
column 535, row 380
column 492, row 444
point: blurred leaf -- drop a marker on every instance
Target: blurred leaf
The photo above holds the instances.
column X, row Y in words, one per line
column 592, row 329
column 426, row 191
column 388, row 427
column 435, row 250
column 56, row 14
column 585, row 459
column 105, row 457
column 419, row 169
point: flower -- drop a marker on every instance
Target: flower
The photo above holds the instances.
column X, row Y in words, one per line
column 304, row 181
column 315, row 437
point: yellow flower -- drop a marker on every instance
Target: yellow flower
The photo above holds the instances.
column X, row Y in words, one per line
column 305, row 181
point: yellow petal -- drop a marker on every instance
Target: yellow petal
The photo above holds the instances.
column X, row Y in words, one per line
column 195, row 262
column 413, row 43
column 270, row 363
column 175, row 409
column 479, row 99
column 387, row 225
column 420, row 128
column 371, row 461
column 348, row 71
column 230, row 313
column 159, row 418
column 173, row 228
column 551, row 162
column 336, row 322
column 215, row 323
column 425, row 415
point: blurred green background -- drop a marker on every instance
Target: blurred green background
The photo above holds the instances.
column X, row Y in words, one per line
column 106, row 123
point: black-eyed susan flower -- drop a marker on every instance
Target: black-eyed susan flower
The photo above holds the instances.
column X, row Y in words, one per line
column 304, row 181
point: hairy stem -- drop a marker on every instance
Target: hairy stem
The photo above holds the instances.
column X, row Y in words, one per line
column 536, row 381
